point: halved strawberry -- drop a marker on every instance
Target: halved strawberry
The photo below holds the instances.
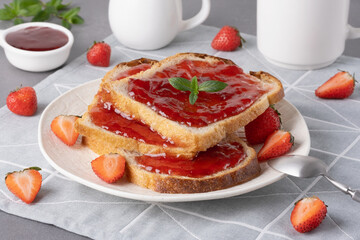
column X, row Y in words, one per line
column 276, row 144
column 307, row 214
column 24, row 184
column 341, row 85
column 257, row 131
column 63, row 127
column 109, row 167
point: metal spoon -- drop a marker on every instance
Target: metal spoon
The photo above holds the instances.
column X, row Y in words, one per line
column 307, row 167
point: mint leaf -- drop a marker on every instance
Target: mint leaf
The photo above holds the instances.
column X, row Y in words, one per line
column 181, row 84
column 6, row 15
column 194, row 85
column 18, row 21
column 32, row 10
column 66, row 24
column 41, row 16
column 70, row 13
column 192, row 98
column 77, row 20
column 212, row 86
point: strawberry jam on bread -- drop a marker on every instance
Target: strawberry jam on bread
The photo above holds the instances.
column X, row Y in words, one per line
column 149, row 97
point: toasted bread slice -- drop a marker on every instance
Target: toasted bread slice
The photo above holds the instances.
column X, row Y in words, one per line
column 110, row 142
column 193, row 138
column 103, row 141
column 244, row 171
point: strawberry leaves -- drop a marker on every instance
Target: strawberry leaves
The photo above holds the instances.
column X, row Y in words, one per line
column 194, row 88
column 19, row 10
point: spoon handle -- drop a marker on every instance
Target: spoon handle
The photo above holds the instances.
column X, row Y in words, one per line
column 353, row 193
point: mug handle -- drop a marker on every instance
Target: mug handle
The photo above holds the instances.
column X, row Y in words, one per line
column 353, row 32
column 198, row 18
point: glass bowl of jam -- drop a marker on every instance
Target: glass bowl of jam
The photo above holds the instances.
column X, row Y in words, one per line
column 36, row 46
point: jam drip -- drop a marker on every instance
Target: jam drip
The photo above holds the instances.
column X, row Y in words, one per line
column 157, row 93
column 218, row 158
column 37, row 39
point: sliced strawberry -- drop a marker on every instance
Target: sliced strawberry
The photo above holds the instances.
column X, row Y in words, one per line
column 341, row 85
column 24, row 184
column 307, row 214
column 257, row 131
column 109, row 167
column 276, row 144
column 63, row 127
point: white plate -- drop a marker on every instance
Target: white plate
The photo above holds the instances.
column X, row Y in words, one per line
column 74, row 162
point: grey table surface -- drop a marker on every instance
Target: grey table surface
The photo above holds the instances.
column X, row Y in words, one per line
column 241, row 14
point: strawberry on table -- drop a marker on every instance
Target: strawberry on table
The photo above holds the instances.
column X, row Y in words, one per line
column 276, row 144
column 99, row 54
column 307, row 214
column 109, row 167
column 257, row 131
column 227, row 39
column 24, row 184
column 63, row 127
column 341, row 85
column 22, row 101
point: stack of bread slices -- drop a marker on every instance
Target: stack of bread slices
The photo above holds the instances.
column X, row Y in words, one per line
column 136, row 114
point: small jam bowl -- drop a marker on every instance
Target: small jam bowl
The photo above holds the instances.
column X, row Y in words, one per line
column 36, row 61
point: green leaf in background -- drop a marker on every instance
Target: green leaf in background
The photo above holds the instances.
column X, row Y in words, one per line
column 179, row 83
column 192, row 98
column 6, row 15
column 41, row 11
column 32, row 10
column 41, row 16
column 212, row 86
column 18, row 21
column 77, row 20
column 66, row 24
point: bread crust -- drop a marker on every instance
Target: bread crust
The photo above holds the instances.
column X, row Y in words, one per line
column 195, row 139
column 248, row 169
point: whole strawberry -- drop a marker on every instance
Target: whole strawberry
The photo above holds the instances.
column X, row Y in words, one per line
column 227, row 39
column 99, row 54
column 276, row 144
column 257, row 131
column 307, row 214
column 22, row 101
column 341, row 85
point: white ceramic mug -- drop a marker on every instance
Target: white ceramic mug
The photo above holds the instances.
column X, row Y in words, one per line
column 151, row 24
column 303, row 34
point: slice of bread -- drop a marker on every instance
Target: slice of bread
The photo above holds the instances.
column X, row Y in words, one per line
column 244, row 171
column 102, row 141
column 193, row 138
column 110, row 142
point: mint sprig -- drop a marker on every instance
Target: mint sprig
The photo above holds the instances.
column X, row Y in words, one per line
column 194, row 88
column 19, row 11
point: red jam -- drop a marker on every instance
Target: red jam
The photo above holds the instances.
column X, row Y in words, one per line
column 107, row 117
column 222, row 156
column 37, row 39
column 133, row 70
column 156, row 92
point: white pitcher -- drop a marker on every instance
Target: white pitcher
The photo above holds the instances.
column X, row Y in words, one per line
column 151, row 24
column 303, row 34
